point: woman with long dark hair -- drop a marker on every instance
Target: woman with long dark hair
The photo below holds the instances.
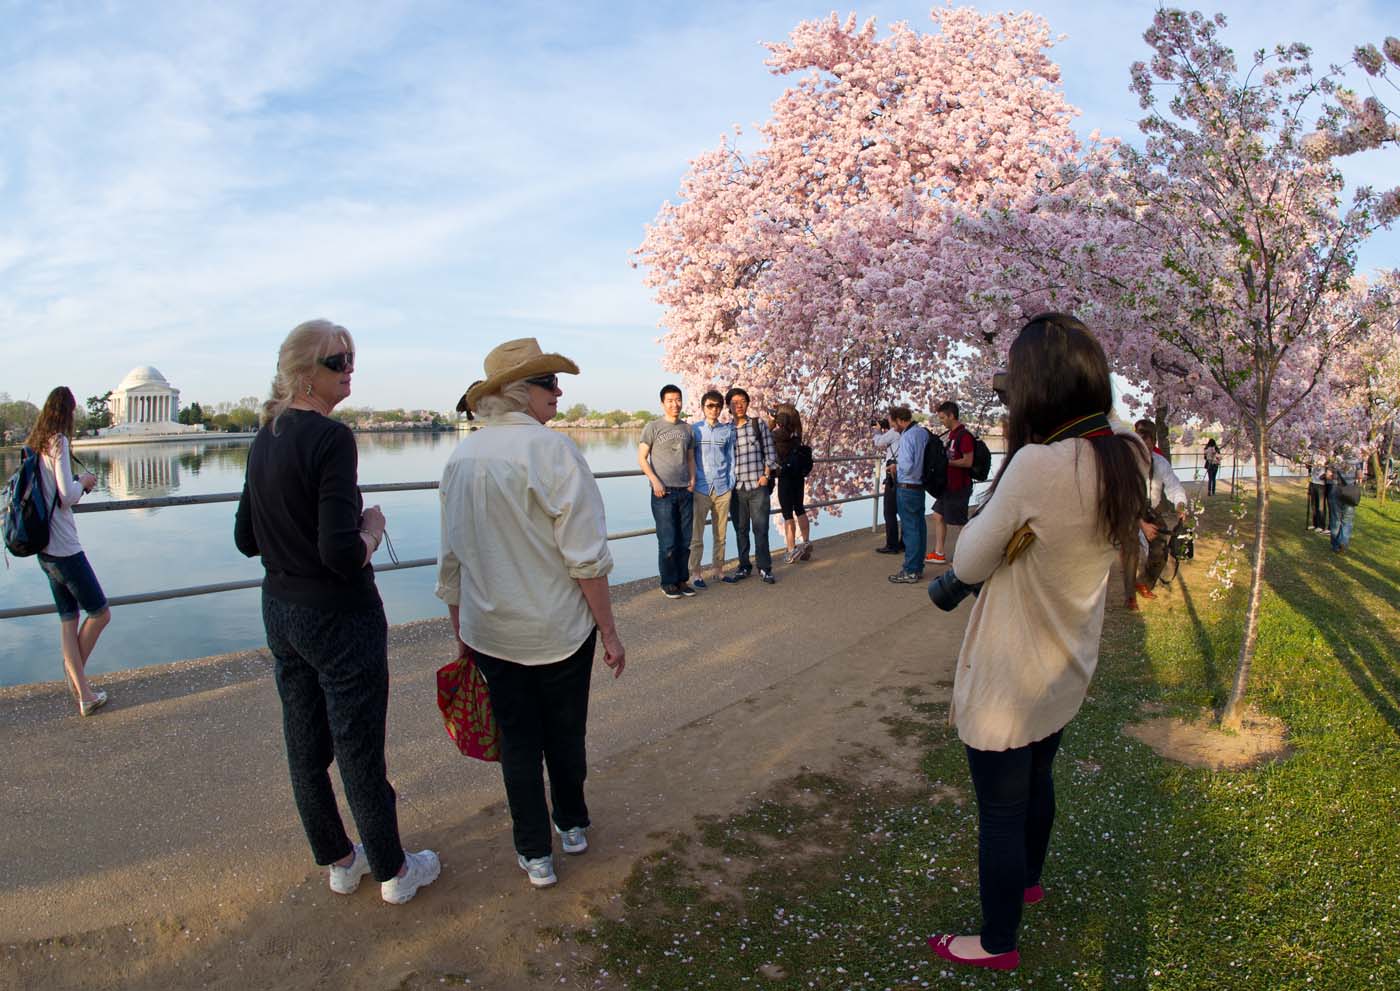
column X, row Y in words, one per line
column 1212, row 460
column 71, row 578
column 792, row 484
column 302, row 513
column 1068, row 494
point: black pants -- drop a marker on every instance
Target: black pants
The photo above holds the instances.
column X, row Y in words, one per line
column 1317, row 512
column 332, row 672
column 1015, row 812
column 1211, row 472
column 892, row 540
column 542, row 711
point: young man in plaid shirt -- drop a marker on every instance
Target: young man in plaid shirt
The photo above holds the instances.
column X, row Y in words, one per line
column 755, row 462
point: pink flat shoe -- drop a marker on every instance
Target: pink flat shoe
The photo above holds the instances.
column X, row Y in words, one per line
column 942, row 945
column 1034, row 894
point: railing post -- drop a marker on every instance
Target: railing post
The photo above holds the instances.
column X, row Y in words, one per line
column 875, row 502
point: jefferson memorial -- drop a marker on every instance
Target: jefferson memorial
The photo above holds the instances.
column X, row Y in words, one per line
column 145, row 404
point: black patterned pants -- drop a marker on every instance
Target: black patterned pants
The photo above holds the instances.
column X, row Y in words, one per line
column 332, row 671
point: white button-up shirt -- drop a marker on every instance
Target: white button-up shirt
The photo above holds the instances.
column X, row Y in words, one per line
column 522, row 519
column 1163, row 479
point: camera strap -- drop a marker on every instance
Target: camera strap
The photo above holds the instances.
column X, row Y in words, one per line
column 1093, row 425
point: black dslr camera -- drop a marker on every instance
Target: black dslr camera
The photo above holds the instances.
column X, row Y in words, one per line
column 947, row 591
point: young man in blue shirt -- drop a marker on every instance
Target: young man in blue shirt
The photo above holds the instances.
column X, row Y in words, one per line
column 714, row 482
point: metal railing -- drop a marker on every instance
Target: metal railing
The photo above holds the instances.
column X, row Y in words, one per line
column 164, row 502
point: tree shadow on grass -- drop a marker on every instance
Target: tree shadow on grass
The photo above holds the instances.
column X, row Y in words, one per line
column 1366, row 650
column 1205, row 646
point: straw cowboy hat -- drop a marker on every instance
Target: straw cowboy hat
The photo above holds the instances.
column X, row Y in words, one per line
column 511, row 362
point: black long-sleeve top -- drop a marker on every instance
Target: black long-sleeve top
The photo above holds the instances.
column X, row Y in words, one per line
column 300, row 510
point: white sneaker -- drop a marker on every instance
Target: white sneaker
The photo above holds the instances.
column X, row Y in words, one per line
column 573, row 840
column 344, row 880
column 540, row 869
column 423, row 869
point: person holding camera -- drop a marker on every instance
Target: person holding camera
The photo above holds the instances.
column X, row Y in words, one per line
column 1068, row 493
column 1161, row 480
column 886, row 444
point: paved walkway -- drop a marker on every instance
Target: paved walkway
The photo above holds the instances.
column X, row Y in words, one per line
column 157, row 845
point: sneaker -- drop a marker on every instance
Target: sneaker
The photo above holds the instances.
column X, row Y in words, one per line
column 574, row 840
column 423, row 869
column 804, row 552
column 700, row 584
column 906, row 578
column 540, row 869
column 889, row 550
column 935, row 557
column 671, row 591
column 767, row 577
column 791, row 556
column 344, row 880
column 738, row 576
column 685, row 589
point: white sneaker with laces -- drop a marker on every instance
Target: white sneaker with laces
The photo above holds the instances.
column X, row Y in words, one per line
column 539, row 869
column 344, row 880
column 423, row 869
column 574, row 840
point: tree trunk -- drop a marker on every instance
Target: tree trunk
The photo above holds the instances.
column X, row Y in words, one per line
column 1233, row 715
column 1164, row 438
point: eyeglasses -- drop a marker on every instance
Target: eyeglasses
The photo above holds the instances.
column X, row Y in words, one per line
column 714, row 406
column 550, row 382
column 339, row 363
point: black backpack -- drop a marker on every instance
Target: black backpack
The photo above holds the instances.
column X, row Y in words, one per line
column 26, row 513
column 799, row 461
column 981, row 460
column 935, row 473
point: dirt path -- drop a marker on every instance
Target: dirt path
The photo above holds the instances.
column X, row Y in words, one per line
column 156, row 846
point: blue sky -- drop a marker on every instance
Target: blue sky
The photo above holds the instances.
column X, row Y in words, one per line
column 180, row 184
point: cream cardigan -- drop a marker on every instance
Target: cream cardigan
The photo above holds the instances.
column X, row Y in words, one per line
column 1032, row 642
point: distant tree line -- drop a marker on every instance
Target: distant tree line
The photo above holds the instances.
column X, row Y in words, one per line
column 612, row 418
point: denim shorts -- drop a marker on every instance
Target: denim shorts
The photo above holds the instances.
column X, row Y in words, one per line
column 73, row 584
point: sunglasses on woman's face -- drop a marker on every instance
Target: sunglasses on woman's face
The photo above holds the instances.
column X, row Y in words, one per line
column 550, row 382
column 339, row 363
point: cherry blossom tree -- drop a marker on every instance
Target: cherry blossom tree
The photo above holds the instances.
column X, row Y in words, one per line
column 824, row 268
column 1226, row 238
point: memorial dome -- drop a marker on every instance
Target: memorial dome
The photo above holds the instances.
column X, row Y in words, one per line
column 143, row 375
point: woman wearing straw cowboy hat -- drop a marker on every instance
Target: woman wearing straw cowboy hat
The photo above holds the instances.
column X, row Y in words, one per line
column 523, row 569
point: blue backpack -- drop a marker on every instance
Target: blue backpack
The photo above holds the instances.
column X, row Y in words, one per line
column 26, row 513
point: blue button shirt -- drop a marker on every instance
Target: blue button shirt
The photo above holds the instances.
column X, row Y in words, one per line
column 714, row 457
column 911, row 455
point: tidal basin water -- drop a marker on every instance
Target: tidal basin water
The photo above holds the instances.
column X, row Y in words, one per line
column 145, row 550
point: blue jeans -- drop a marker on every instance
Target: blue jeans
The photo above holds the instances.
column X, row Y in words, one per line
column 673, row 513
column 750, row 509
column 73, row 584
column 1341, row 530
column 915, row 527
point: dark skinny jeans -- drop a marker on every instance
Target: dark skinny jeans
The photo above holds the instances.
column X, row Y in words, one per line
column 1015, row 811
column 542, row 712
column 749, row 511
column 332, row 672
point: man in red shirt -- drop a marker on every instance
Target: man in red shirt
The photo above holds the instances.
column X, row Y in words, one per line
column 951, row 508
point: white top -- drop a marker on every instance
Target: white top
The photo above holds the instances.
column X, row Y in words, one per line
column 1032, row 642
column 522, row 518
column 886, row 442
column 1164, row 479
column 57, row 464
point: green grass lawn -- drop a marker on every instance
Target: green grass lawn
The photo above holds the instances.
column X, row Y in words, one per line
column 1160, row 876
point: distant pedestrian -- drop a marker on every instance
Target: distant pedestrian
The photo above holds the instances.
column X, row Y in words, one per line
column 1329, row 484
column 909, row 477
column 714, row 485
column 301, row 512
column 792, row 483
column 1212, row 460
column 886, row 441
column 666, row 455
column 72, row 582
column 523, row 568
column 1317, row 498
column 755, row 462
column 1345, row 496
column 1072, row 489
column 950, row 509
